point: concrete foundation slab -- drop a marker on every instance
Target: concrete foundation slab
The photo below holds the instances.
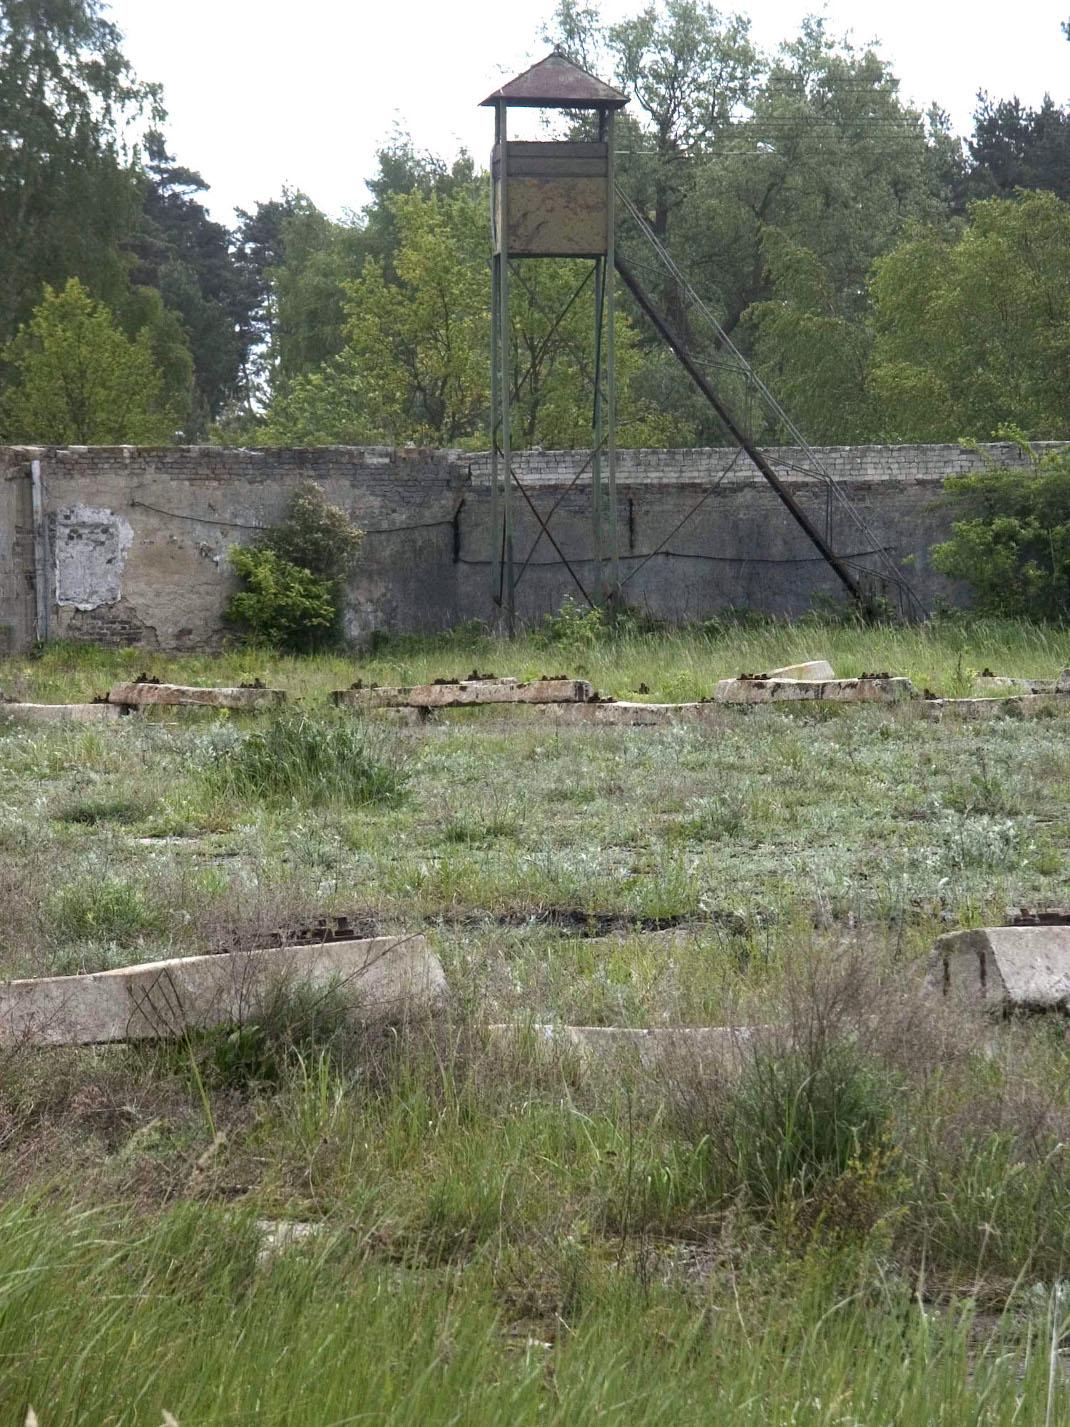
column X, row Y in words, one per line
column 59, row 713
column 766, row 691
column 468, row 692
column 1015, row 706
column 147, row 695
column 1004, row 968
column 381, row 977
column 625, row 714
column 814, row 669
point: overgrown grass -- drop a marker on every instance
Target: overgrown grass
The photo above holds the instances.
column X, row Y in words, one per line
column 109, row 1319
column 674, row 664
column 815, row 1235
column 310, row 759
column 107, row 908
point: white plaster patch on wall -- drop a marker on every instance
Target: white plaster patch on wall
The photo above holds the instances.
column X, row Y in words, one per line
column 90, row 545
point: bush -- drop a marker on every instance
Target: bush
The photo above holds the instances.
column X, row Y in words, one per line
column 282, row 604
column 572, row 630
column 1013, row 547
column 295, row 575
column 311, row 759
column 797, row 1121
column 315, row 535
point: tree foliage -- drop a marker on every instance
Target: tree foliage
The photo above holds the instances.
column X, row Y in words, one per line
column 973, row 333
column 738, row 159
column 887, row 281
column 187, row 257
column 69, row 188
column 415, row 360
column 80, row 380
column 1014, row 146
column 1013, row 545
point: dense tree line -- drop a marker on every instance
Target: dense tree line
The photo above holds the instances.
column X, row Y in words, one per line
column 889, row 280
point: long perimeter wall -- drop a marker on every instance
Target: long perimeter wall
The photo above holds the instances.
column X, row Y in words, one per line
column 132, row 543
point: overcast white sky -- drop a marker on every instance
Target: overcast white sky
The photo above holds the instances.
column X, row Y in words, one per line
column 263, row 93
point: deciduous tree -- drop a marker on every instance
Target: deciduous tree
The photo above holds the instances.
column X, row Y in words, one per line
column 973, row 333
column 80, row 380
column 70, row 191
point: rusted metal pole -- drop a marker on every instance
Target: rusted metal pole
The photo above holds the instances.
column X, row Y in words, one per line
column 42, row 593
column 504, row 389
column 611, row 358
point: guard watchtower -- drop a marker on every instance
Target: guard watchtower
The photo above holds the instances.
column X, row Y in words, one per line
column 553, row 200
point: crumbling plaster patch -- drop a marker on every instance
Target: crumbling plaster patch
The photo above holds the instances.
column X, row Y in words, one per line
column 90, row 545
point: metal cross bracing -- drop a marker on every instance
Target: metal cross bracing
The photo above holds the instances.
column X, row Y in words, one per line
column 866, row 573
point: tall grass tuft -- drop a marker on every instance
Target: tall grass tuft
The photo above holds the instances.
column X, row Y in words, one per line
column 797, row 1121
column 300, row 757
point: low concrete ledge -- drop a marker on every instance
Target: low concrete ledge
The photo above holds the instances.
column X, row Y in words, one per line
column 1004, row 968
column 997, row 683
column 774, row 690
column 144, row 695
column 1015, row 706
column 658, row 1047
column 628, row 714
column 381, row 977
column 59, row 713
column 625, row 714
column 468, row 692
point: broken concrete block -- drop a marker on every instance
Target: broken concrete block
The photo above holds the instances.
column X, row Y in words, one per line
column 815, row 669
column 381, row 978
column 649, row 1047
column 468, row 692
column 885, row 690
column 1004, row 968
column 1062, row 683
column 59, row 713
column 278, row 1235
column 143, row 695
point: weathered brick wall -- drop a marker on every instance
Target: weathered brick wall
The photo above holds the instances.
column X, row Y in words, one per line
column 138, row 538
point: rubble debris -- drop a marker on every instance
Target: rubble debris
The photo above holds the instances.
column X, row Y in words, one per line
column 1014, row 706
column 1038, row 916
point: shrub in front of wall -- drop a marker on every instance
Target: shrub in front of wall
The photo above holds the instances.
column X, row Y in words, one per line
column 282, row 604
column 294, row 576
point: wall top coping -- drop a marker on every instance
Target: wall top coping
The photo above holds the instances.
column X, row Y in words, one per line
column 459, row 455
column 883, row 463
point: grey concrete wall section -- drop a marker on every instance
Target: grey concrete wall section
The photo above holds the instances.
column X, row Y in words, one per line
column 139, row 537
